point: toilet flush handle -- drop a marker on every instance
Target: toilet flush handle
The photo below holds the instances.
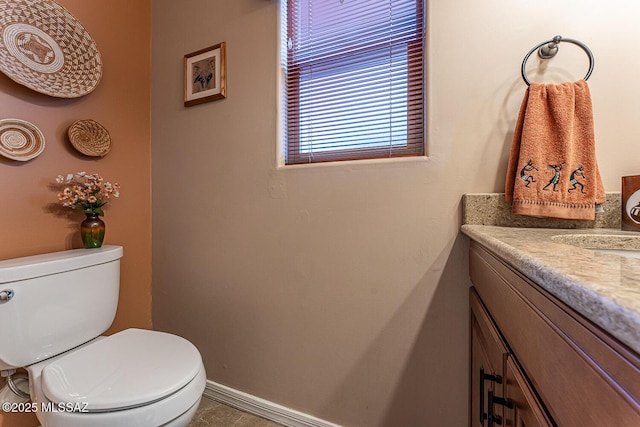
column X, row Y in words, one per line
column 6, row 295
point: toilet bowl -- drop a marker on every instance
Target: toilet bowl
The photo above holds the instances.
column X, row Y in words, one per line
column 52, row 311
column 132, row 378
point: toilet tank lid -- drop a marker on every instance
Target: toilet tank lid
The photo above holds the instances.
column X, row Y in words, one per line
column 13, row 270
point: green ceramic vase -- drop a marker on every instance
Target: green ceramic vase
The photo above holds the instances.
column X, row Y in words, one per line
column 92, row 231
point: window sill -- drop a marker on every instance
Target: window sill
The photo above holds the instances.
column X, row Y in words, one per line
column 348, row 163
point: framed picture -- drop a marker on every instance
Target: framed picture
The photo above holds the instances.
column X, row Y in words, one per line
column 205, row 75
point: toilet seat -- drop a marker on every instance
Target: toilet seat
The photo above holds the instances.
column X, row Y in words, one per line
column 172, row 404
column 128, row 369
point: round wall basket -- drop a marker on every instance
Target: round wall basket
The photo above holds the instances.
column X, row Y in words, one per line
column 20, row 140
column 44, row 47
column 90, row 138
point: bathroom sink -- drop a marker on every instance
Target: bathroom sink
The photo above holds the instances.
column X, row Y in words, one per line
column 615, row 244
column 622, row 252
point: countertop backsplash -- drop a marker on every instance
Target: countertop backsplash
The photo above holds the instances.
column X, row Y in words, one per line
column 493, row 209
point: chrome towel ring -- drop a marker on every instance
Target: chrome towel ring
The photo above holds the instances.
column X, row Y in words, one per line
column 549, row 49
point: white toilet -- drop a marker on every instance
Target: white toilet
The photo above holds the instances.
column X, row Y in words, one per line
column 53, row 308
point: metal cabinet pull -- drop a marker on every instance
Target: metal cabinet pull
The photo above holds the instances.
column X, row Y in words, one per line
column 486, row 377
column 496, row 400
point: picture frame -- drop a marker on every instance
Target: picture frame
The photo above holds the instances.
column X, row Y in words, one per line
column 205, row 75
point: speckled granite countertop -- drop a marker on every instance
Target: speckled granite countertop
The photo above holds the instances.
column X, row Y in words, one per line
column 603, row 287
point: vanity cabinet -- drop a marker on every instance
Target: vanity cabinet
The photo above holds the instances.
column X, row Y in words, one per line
column 500, row 393
column 538, row 361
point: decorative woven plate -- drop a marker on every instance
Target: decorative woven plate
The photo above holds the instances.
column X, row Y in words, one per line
column 20, row 140
column 90, row 138
column 43, row 47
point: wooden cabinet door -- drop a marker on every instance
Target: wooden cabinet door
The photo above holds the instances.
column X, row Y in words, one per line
column 488, row 357
column 525, row 409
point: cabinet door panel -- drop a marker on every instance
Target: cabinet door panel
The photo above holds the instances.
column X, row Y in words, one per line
column 488, row 355
column 526, row 410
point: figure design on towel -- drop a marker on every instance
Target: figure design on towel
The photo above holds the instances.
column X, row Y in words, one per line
column 524, row 173
column 573, row 180
column 556, row 176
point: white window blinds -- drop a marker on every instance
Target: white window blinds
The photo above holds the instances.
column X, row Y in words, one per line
column 354, row 79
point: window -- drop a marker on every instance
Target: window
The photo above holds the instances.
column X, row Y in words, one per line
column 353, row 79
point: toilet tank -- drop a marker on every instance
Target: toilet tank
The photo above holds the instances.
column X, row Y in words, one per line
column 60, row 300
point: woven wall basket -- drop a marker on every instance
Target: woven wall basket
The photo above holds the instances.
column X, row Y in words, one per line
column 20, row 140
column 90, row 138
column 43, row 47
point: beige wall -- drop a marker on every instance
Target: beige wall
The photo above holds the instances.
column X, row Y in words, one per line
column 28, row 224
column 341, row 290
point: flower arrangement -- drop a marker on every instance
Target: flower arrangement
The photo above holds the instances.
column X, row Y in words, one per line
column 86, row 192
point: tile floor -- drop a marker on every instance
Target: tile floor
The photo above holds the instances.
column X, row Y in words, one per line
column 215, row 414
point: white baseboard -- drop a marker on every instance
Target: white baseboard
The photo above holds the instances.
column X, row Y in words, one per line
column 263, row 408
